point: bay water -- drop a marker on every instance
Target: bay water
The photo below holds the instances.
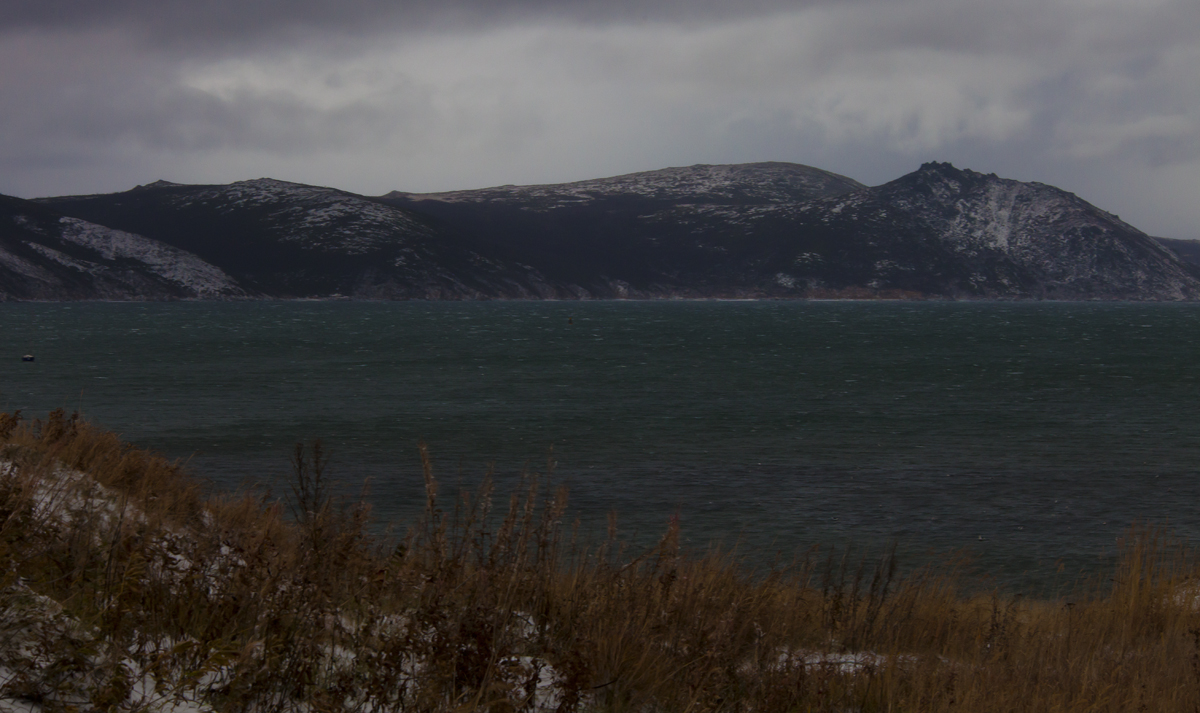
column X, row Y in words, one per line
column 1030, row 434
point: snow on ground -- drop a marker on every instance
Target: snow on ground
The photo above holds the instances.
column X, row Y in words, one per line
column 89, row 267
column 28, row 621
column 178, row 266
column 1046, row 233
column 36, row 632
column 844, row 663
column 21, row 266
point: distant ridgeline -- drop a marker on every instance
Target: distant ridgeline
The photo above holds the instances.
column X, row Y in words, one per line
column 761, row 230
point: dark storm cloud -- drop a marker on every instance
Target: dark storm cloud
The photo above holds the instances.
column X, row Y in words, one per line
column 216, row 22
column 1098, row 96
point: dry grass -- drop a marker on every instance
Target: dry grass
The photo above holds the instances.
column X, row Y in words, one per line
column 124, row 589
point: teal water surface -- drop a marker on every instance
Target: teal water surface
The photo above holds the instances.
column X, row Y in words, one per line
column 1030, row 433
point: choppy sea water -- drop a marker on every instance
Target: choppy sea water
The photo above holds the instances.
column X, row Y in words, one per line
column 1029, row 434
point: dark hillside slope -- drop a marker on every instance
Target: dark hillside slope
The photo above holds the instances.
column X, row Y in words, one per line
column 292, row 240
column 1030, row 239
column 780, row 230
column 1188, row 250
column 45, row 255
column 772, row 230
column 673, row 232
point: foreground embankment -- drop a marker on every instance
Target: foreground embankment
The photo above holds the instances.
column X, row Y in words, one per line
column 123, row 587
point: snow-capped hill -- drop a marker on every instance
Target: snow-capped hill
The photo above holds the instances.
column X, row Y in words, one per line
column 770, row 182
column 1070, row 245
column 312, row 217
column 987, row 211
column 44, row 255
column 263, row 192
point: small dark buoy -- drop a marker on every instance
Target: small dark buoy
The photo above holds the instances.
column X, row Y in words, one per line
column 27, row 357
column 570, row 320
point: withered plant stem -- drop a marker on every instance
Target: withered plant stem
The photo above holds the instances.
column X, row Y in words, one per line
column 225, row 600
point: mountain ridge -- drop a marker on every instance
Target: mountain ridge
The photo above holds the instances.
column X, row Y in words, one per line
column 773, row 181
column 763, row 230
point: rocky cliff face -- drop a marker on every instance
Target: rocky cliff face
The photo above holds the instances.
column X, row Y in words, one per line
column 752, row 230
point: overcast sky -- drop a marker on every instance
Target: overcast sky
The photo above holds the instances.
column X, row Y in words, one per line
column 1099, row 97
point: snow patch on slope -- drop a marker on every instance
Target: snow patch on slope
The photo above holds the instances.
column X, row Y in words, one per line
column 21, row 266
column 1066, row 242
column 178, row 266
column 63, row 259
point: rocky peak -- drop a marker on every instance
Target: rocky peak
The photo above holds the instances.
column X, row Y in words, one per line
column 939, row 182
column 155, row 186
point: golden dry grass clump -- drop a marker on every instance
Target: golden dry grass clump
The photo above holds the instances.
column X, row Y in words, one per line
column 122, row 587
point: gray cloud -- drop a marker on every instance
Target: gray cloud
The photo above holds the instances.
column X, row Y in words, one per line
column 1097, row 96
column 206, row 25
